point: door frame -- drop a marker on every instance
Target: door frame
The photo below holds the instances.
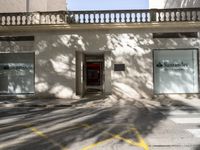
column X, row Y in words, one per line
column 91, row 57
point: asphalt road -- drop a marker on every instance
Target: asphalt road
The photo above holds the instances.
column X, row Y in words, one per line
column 92, row 128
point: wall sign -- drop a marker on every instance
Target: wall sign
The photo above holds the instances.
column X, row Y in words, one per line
column 175, row 71
column 119, row 67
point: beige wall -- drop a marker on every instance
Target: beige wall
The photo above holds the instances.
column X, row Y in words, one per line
column 31, row 5
column 47, row 5
column 173, row 3
column 56, row 5
column 55, row 64
column 13, row 6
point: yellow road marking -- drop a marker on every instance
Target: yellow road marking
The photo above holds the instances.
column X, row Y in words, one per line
column 41, row 134
column 96, row 144
column 141, row 142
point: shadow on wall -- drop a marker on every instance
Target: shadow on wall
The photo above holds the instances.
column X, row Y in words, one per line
column 56, row 69
column 55, row 65
column 182, row 3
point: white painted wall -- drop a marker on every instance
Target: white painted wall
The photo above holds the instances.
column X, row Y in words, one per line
column 31, row 5
column 55, row 60
column 160, row 4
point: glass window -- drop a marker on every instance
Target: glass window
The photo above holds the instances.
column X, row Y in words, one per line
column 16, row 73
column 175, row 71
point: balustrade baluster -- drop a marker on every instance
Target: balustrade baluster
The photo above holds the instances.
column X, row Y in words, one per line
column 186, row 17
column 195, row 15
column 11, row 20
column 146, row 17
column 84, row 18
column 94, row 17
column 165, row 17
column 135, row 16
column 8, row 20
column 198, row 17
column 99, row 17
column 125, row 17
column 191, row 16
column 16, row 19
column 170, row 16
column 89, row 19
column 104, row 17
column 79, row 18
column 184, row 14
column 159, row 17
column 44, row 19
column 51, row 18
column 26, row 19
column 110, row 17
column 115, row 17
column 175, row 15
column 31, row 18
column 120, row 17
column 56, row 20
column 1, row 20
column 131, row 19
column 181, row 15
column 5, row 20
column 141, row 17
column 21, row 19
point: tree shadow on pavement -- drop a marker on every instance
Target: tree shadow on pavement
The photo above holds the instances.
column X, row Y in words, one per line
column 76, row 127
column 197, row 148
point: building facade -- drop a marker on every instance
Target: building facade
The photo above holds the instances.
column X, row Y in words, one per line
column 164, row 4
column 69, row 54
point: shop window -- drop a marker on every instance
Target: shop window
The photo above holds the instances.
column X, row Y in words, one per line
column 16, row 73
column 176, row 71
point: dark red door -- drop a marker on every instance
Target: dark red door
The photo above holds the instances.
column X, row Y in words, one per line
column 93, row 73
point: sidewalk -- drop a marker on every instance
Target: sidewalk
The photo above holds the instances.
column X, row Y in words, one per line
column 47, row 102
column 37, row 103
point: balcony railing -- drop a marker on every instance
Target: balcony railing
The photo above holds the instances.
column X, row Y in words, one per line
column 100, row 17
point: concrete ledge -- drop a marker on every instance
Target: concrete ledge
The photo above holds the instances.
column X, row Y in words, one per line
column 99, row 26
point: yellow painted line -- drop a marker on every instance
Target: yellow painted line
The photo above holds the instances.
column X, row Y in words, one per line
column 141, row 142
column 44, row 136
column 96, row 144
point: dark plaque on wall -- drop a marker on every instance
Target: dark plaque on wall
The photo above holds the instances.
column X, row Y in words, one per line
column 119, row 67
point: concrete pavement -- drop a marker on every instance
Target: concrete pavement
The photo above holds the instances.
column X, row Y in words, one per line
column 88, row 124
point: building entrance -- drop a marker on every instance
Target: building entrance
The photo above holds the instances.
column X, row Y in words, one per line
column 93, row 73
